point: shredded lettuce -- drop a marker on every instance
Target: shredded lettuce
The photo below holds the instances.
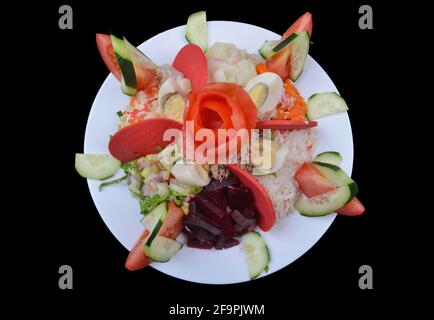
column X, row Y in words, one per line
column 128, row 165
column 177, row 197
column 109, row 183
column 195, row 190
column 149, row 203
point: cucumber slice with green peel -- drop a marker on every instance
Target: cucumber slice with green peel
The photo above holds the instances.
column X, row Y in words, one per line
column 333, row 173
column 282, row 44
column 269, row 48
column 128, row 81
column 138, row 57
column 331, row 157
column 326, row 203
column 162, row 249
column 196, row 32
column 257, row 253
column 130, row 91
column 299, row 50
column 96, row 166
column 154, row 220
column 324, row 104
column 266, row 50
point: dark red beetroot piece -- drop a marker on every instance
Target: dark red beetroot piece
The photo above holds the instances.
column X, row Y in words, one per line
column 222, row 211
column 138, row 140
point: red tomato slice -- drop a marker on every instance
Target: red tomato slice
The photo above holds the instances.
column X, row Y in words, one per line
column 267, row 216
column 144, row 77
column 172, row 225
column 311, row 182
column 137, row 259
column 352, row 208
column 138, row 140
column 191, row 62
column 304, row 23
column 107, row 53
column 280, row 62
column 285, row 124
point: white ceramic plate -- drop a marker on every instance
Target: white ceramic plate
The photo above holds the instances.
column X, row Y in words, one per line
column 288, row 240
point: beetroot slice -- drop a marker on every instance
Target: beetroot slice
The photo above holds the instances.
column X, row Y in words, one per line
column 192, row 220
column 231, row 242
column 231, row 180
column 223, row 211
column 194, row 243
column 239, row 197
column 208, row 207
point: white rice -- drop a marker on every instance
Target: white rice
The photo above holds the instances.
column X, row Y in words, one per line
column 282, row 187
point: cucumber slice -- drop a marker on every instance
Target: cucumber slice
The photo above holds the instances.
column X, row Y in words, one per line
column 162, row 249
column 96, row 166
column 196, row 30
column 138, row 57
column 282, row 44
column 324, row 104
column 128, row 81
column 299, row 50
column 337, row 176
column 154, row 220
column 266, row 50
column 269, row 48
column 324, row 204
column 331, row 157
column 257, row 253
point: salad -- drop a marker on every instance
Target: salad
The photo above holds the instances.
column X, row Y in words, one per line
column 218, row 146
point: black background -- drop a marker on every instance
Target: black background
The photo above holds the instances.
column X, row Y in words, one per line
column 380, row 74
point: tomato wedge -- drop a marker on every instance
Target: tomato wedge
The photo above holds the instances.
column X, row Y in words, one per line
column 138, row 140
column 312, row 183
column 304, row 23
column 172, row 225
column 145, row 77
column 107, row 53
column 137, row 259
column 280, row 62
column 267, row 216
column 352, row 208
column 285, row 124
column 192, row 63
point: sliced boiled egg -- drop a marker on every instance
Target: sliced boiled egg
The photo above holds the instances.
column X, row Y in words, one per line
column 192, row 174
column 266, row 91
column 281, row 157
column 171, row 97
